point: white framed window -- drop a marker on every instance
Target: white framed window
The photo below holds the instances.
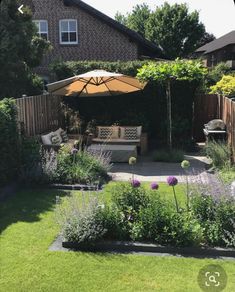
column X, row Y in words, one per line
column 68, row 31
column 42, row 26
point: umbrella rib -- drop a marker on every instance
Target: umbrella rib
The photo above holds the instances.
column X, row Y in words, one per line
column 103, row 81
column 84, row 87
column 108, row 88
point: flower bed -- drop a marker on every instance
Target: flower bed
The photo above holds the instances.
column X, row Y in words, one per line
column 67, row 169
column 139, row 213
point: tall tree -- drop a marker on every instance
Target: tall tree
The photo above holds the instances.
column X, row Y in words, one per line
column 137, row 19
column 172, row 27
column 20, row 51
column 206, row 38
column 175, row 29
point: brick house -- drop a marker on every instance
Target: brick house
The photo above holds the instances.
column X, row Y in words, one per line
column 77, row 31
column 219, row 50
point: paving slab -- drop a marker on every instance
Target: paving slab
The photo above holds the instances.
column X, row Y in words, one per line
column 145, row 170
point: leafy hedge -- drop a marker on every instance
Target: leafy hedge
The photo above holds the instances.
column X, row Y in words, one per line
column 9, row 141
column 67, row 69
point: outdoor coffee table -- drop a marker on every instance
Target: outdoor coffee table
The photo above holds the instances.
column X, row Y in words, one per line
column 119, row 153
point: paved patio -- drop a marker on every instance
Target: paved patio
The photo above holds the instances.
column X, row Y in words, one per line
column 146, row 170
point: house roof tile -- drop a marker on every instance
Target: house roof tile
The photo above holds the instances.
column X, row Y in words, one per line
column 217, row 44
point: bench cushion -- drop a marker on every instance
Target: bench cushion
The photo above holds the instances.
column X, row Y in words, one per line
column 118, row 141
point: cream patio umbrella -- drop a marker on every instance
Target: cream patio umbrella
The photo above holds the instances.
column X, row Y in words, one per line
column 96, row 83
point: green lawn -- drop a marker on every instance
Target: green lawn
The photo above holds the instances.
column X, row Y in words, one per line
column 227, row 175
column 28, row 229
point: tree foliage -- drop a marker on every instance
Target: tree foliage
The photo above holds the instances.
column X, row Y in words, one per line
column 136, row 20
column 190, row 70
column 215, row 74
column 9, row 141
column 225, row 86
column 207, row 38
column 20, row 50
column 165, row 73
column 174, row 28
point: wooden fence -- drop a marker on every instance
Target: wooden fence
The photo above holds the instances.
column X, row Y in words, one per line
column 210, row 106
column 227, row 114
column 39, row 114
column 205, row 109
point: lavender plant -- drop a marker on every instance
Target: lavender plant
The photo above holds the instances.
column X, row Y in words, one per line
column 81, row 218
column 214, row 206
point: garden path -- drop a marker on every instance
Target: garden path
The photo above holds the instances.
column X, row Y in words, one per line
column 146, row 170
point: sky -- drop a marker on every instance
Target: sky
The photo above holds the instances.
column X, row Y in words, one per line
column 218, row 16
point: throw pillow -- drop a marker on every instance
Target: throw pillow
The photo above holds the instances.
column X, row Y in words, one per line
column 104, row 132
column 64, row 136
column 55, row 139
column 131, row 133
column 108, row 132
column 58, row 133
column 46, row 139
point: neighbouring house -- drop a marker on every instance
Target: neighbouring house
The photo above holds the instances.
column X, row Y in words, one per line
column 77, row 31
column 219, row 50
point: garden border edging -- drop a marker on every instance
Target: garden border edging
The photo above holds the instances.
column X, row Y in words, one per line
column 125, row 246
column 75, row 187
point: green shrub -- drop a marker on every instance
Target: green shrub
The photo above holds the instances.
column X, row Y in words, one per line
column 128, row 198
column 216, row 218
column 162, row 225
column 81, row 222
column 203, row 206
column 115, row 224
column 9, row 141
column 226, row 86
column 215, row 74
column 174, row 155
column 30, row 168
column 219, row 152
column 81, row 167
column 145, row 216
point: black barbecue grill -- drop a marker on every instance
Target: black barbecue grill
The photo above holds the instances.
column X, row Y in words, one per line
column 215, row 130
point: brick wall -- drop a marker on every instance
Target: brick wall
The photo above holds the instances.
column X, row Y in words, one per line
column 96, row 39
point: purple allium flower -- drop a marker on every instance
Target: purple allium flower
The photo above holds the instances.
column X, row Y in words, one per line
column 172, row 181
column 154, row 186
column 135, row 183
column 74, row 151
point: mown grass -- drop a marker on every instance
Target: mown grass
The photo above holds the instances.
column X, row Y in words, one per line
column 27, row 230
column 227, row 174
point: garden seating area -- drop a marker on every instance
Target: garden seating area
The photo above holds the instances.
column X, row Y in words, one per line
column 121, row 135
column 120, row 142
